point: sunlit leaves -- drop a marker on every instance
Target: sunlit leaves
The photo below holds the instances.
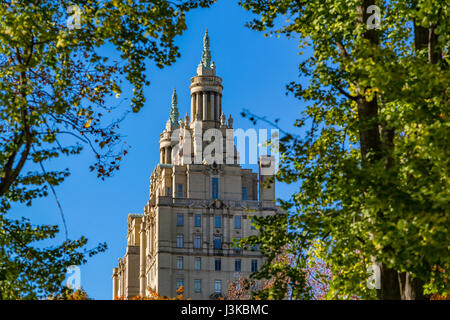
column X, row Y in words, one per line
column 30, row 271
column 57, row 75
column 395, row 206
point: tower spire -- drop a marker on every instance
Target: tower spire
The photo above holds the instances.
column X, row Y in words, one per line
column 206, row 54
column 174, row 114
column 206, row 90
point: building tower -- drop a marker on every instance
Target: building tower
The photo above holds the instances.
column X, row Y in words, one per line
column 200, row 203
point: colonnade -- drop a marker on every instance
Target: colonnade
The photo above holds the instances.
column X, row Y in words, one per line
column 165, row 155
column 206, row 106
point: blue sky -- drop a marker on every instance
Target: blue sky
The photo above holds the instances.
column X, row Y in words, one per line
column 254, row 69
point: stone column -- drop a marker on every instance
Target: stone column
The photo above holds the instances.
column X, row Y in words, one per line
column 115, row 282
column 193, row 107
column 166, row 149
column 198, row 105
column 216, row 104
column 212, row 107
column 205, row 106
column 161, row 156
column 142, row 260
column 220, row 103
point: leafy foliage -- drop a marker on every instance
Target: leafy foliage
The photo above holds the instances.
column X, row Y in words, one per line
column 285, row 271
column 69, row 294
column 57, row 81
column 372, row 164
column 28, row 271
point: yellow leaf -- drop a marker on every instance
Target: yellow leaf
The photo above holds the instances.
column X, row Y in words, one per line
column 88, row 123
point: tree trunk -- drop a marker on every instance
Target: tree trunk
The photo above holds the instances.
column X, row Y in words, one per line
column 388, row 288
column 371, row 142
column 411, row 288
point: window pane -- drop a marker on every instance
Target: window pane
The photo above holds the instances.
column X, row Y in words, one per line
column 218, row 221
column 179, row 262
column 237, row 265
column 244, row 193
column 218, row 286
column 180, row 283
column 215, row 188
column 180, row 241
column 218, row 265
column 237, row 250
column 180, row 191
column 198, row 220
column 237, row 222
column 197, row 242
column 198, row 263
column 198, row 285
column 254, row 265
column 180, row 221
column 217, row 242
column 169, row 192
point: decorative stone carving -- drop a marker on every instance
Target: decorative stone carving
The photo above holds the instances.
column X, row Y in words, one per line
column 230, row 122
column 223, row 120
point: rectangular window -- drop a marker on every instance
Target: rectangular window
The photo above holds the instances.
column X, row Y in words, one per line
column 180, row 241
column 169, row 192
column 218, row 265
column 237, row 265
column 180, row 283
column 237, row 250
column 198, row 263
column 215, row 188
column 217, row 242
column 179, row 191
column 198, row 285
column 180, row 221
column 244, row 193
column 254, row 265
column 237, row 222
column 218, row 221
column 197, row 242
column 179, row 263
column 198, row 220
column 252, row 227
column 218, row 286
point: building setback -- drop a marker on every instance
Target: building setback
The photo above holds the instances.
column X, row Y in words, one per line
column 196, row 208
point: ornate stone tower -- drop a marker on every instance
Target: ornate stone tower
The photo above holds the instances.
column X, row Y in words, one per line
column 197, row 206
column 206, row 90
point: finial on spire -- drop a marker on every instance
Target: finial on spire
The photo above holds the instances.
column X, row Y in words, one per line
column 174, row 114
column 206, row 55
column 174, row 98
